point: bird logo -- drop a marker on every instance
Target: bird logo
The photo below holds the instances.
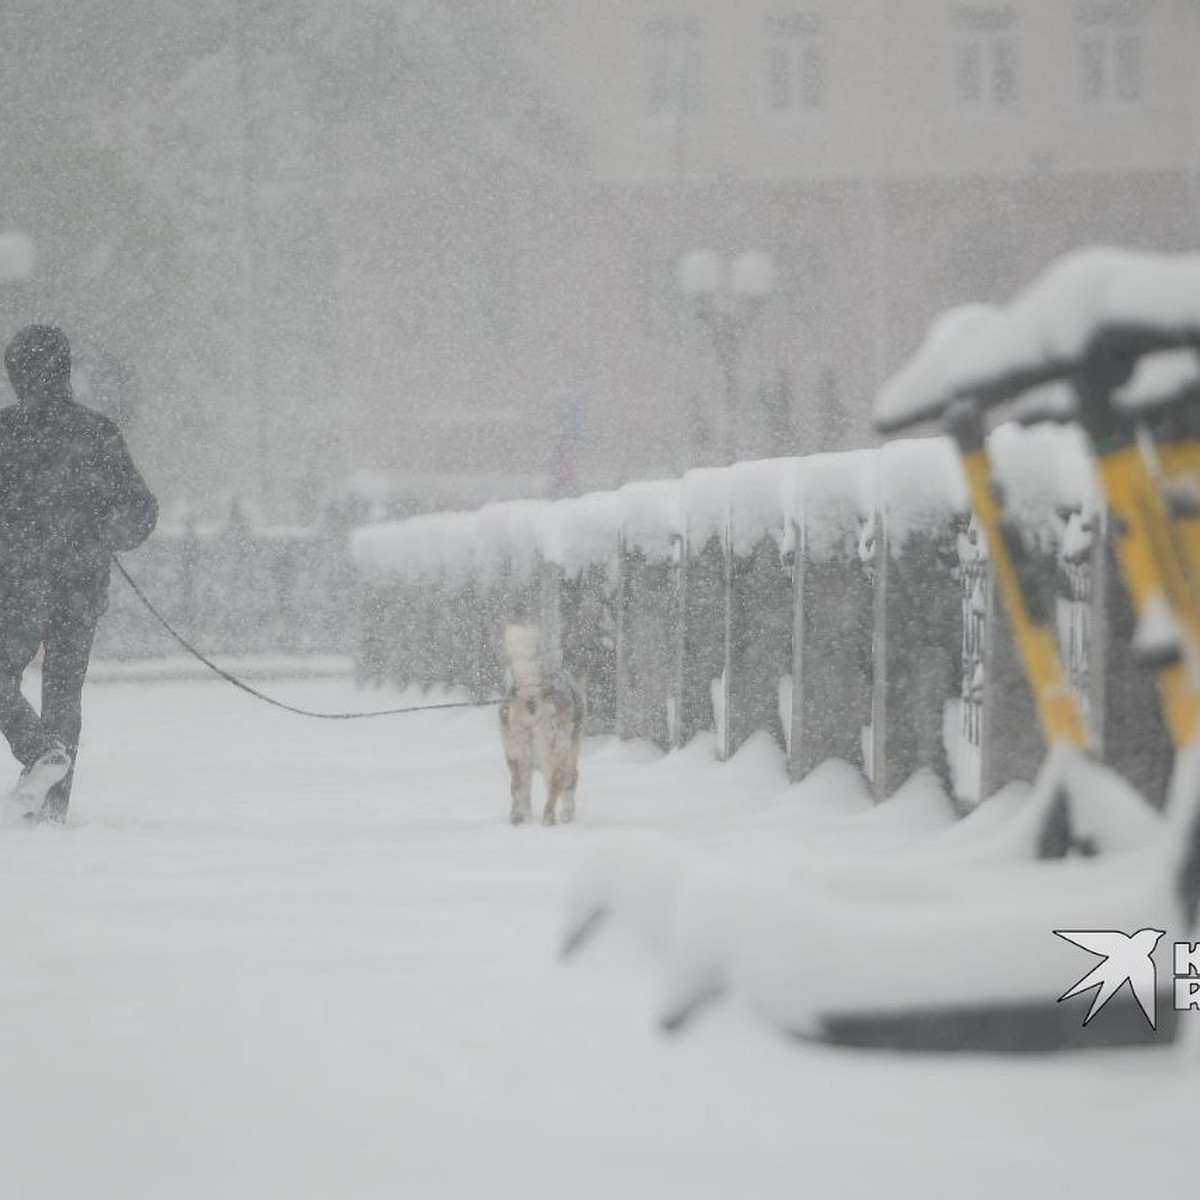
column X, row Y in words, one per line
column 1127, row 959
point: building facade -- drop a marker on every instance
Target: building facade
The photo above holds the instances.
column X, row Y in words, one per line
column 893, row 157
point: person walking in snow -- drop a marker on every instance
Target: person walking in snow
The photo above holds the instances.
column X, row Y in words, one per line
column 70, row 497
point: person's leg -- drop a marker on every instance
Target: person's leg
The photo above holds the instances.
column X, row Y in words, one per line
column 19, row 722
column 68, row 649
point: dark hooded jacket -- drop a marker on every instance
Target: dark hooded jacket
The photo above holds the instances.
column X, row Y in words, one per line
column 70, row 495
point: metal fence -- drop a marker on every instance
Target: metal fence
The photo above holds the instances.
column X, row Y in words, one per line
column 841, row 605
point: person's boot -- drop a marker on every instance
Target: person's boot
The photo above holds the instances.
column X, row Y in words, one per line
column 35, row 787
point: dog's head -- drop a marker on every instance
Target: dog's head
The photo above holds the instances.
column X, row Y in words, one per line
column 523, row 645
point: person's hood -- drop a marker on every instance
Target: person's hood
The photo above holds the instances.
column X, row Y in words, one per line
column 38, row 361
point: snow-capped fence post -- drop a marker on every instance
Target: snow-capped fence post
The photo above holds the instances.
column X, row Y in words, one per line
column 758, row 651
column 918, row 609
column 579, row 598
column 704, row 598
column 997, row 737
column 648, row 611
column 833, row 603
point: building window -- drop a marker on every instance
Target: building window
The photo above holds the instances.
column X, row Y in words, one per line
column 1109, row 53
column 795, row 63
column 985, row 58
column 672, row 49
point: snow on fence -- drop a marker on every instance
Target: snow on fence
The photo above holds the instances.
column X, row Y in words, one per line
column 841, row 604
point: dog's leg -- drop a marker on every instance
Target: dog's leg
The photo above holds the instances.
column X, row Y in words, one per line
column 521, row 773
column 556, row 784
column 567, row 813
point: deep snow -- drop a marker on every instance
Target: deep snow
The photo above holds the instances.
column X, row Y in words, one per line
column 275, row 958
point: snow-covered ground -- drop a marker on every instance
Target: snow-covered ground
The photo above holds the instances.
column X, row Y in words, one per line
column 274, row 958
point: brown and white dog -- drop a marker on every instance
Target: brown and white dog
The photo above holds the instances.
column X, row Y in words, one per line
column 541, row 724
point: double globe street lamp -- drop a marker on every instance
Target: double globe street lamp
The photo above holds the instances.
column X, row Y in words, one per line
column 726, row 299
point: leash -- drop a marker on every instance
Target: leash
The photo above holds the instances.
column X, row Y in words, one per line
column 253, row 691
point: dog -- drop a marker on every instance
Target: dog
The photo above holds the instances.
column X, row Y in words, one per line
column 541, row 725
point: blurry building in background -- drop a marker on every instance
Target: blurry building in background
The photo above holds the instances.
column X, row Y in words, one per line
column 894, row 157
column 328, row 237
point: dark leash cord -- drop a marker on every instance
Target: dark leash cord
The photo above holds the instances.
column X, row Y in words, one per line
column 245, row 687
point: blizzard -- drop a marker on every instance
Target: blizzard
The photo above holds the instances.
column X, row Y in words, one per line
column 272, row 957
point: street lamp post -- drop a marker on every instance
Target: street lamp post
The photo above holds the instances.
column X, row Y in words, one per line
column 726, row 302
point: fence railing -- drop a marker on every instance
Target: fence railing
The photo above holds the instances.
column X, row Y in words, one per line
column 841, row 604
